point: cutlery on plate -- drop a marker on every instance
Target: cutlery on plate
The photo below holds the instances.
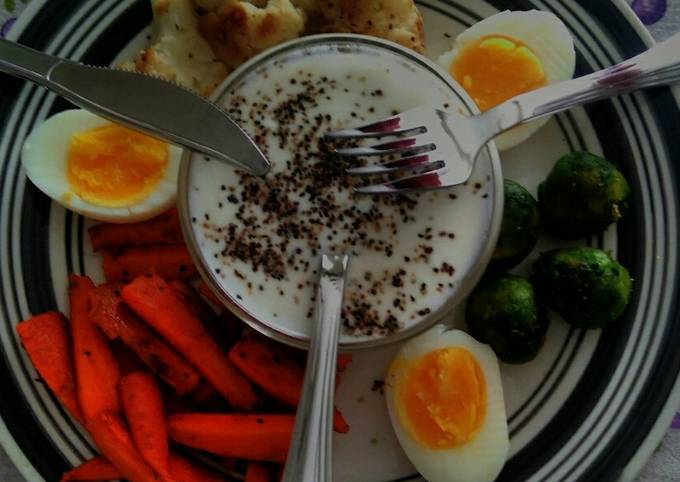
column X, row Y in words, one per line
column 441, row 147
column 148, row 104
column 310, row 455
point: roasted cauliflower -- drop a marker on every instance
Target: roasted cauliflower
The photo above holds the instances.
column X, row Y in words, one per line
column 238, row 30
column 396, row 20
column 178, row 52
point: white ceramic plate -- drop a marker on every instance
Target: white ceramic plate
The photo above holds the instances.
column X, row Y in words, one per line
column 592, row 405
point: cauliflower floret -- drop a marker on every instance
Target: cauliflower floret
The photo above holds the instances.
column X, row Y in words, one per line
column 238, row 30
column 178, row 52
column 396, row 20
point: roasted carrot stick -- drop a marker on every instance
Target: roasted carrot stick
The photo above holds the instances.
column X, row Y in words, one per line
column 270, row 367
column 208, row 294
column 276, row 371
column 185, row 470
column 94, row 470
column 253, row 437
column 143, row 406
column 203, row 312
column 128, row 362
column 97, row 372
column 159, row 304
column 47, row 341
column 205, row 397
column 163, row 229
column 115, row 443
column 116, row 320
column 259, row 473
column 169, row 261
column 344, row 359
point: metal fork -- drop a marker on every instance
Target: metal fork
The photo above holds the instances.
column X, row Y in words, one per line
column 442, row 146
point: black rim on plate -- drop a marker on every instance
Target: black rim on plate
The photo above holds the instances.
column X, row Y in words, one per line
column 651, row 224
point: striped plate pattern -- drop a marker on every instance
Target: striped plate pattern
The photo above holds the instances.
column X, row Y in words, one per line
column 584, row 410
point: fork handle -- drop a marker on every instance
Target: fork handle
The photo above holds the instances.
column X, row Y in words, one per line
column 660, row 65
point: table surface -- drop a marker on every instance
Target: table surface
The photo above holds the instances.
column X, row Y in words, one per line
column 664, row 466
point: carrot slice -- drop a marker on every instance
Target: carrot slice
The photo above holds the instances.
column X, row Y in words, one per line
column 208, row 294
column 163, row 229
column 276, row 371
column 159, row 304
column 169, row 261
column 143, row 407
column 270, row 367
column 253, row 437
column 97, row 372
column 47, row 341
column 116, row 320
column 93, row 470
column 259, row 473
column 113, row 439
column 185, row 470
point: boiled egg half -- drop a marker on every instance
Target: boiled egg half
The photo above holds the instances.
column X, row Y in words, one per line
column 445, row 401
column 508, row 54
column 101, row 170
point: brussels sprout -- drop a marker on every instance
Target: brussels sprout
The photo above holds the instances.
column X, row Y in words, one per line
column 504, row 312
column 519, row 230
column 582, row 195
column 584, row 285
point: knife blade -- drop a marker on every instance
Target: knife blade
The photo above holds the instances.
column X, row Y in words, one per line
column 149, row 104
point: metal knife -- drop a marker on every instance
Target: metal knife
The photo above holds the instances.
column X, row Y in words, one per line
column 148, row 104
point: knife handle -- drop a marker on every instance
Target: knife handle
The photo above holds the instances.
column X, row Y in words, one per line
column 24, row 62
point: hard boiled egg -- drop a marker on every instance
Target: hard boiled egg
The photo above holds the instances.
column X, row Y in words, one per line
column 445, row 400
column 101, row 170
column 508, row 54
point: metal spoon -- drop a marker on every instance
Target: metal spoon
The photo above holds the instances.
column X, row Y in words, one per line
column 310, row 456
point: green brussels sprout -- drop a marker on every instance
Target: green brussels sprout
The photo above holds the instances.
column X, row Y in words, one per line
column 582, row 195
column 586, row 286
column 503, row 311
column 519, row 229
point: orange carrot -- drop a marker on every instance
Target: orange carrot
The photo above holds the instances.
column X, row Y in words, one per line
column 169, row 261
column 116, row 320
column 274, row 369
column 217, row 327
column 344, row 359
column 205, row 396
column 163, row 229
column 93, row 470
column 47, row 341
column 208, row 294
column 143, row 407
column 97, row 372
column 159, row 304
column 128, row 362
column 111, row 436
column 253, row 437
column 185, row 470
column 271, row 367
column 340, row 425
column 259, row 473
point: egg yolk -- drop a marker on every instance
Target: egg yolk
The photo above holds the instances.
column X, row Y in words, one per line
column 114, row 166
column 442, row 398
column 497, row 68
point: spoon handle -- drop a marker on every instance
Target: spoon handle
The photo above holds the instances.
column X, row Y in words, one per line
column 310, row 456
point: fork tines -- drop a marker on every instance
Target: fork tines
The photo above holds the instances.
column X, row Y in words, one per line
column 411, row 150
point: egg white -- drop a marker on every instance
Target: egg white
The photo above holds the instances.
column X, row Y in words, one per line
column 545, row 35
column 482, row 458
column 45, row 158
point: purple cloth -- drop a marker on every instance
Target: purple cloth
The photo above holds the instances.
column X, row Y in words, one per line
column 4, row 29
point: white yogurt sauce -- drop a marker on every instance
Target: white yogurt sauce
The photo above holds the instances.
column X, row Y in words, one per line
column 408, row 255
